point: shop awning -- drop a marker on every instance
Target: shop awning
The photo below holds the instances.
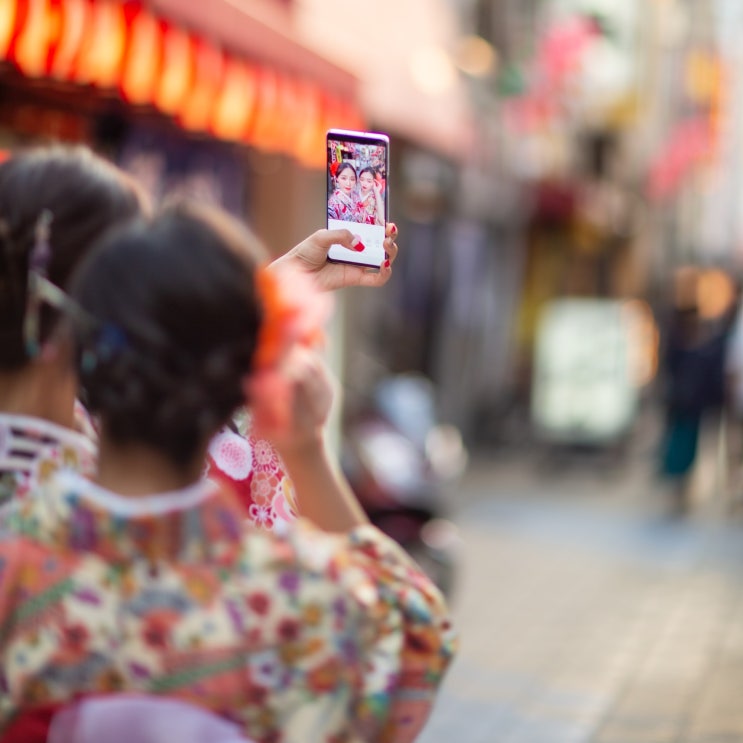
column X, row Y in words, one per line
column 210, row 66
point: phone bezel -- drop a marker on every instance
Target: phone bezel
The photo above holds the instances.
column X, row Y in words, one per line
column 358, row 137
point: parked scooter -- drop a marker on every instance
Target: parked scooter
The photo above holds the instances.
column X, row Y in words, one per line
column 402, row 465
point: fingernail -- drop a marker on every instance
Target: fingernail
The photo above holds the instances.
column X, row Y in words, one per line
column 393, row 229
column 356, row 243
column 387, row 263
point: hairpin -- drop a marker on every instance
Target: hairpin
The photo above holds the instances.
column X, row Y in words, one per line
column 41, row 252
column 38, row 263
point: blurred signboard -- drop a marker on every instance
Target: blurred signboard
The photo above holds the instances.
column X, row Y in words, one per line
column 584, row 386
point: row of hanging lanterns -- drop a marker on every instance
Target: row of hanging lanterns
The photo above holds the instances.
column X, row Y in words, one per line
column 124, row 47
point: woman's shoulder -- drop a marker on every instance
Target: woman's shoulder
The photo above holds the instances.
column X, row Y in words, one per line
column 362, row 567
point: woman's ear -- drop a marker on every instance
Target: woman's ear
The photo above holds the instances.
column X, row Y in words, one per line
column 57, row 349
column 49, row 353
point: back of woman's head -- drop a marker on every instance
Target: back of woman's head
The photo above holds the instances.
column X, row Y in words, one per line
column 176, row 319
column 85, row 195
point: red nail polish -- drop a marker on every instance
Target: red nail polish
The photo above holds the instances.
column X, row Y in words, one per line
column 387, row 263
column 393, row 230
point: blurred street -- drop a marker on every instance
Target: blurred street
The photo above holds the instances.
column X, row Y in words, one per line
column 590, row 612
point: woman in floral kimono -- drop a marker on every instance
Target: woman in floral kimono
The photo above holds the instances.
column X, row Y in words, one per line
column 41, row 426
column 343, row 203
column 147, row 580
column 370, row 196
column 39, row 421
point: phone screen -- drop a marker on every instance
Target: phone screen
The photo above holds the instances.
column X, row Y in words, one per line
column 357, row 169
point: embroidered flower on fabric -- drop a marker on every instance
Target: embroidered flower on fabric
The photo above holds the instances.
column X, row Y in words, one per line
column 232, row 454
column 265, row 455
column 260, row 603
column 261, row 515
column 263, row 487
column 70, row 458
column 264, row 670
column 47, row 464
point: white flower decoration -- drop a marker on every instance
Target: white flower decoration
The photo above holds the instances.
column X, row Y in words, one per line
column 232, row 454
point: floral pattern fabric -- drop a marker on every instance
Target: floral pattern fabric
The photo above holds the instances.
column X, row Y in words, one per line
column 32, row 450
column 368, row 208
column 299, row 637
column 348, row 209
column 253, row 469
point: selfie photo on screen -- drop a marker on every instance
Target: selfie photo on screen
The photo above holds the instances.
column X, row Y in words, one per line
column 357, row 182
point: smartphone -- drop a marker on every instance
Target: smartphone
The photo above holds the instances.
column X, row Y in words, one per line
column 357, row 193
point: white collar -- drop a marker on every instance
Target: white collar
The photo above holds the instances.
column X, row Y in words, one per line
column 29, row 436
column 156, row 504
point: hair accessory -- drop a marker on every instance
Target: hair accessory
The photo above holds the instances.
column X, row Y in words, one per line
column 38, row 264
column 111, row 340
column 294, row 313
column 40, row 291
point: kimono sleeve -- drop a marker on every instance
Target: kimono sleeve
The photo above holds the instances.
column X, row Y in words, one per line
column 10, row 562
column 408, row 639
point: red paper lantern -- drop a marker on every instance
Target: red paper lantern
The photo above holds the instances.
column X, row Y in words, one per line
column 304, row 95
column 332, row 113
column 101, row 57
column 261, row 132
column 309, row 147
column 10, row 13
column 38, row 34
column 197, row 109
column 75, row 18
column 235, row 103
column 143, row 57
column 177, row 75
column 286, row 124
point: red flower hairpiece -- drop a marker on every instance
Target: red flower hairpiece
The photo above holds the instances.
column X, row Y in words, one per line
column 294, row 313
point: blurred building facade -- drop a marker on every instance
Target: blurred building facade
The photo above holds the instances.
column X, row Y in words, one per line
column 212, row 100
column 540, row 148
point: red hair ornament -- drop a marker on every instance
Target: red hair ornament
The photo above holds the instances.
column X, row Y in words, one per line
column 294, row 314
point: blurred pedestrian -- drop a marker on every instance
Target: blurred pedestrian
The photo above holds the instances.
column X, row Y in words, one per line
column 147, row 579
column 693, row 379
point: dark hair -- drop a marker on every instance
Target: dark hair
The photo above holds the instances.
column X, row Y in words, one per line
column 85, row 194
column 177, row 317
column 368, row 169
column 345, row 166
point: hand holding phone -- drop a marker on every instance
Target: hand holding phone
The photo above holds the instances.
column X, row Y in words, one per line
column 311, row 256
column 356, row 161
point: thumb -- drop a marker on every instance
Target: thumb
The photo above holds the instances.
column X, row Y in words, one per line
column 342, row 237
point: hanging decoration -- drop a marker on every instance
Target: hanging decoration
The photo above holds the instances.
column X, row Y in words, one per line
column 689, row 144
column 121, row 46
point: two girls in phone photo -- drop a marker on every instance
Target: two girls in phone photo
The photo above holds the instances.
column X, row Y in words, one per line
column 356, row 197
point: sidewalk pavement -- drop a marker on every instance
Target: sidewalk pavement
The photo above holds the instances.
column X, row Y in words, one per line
column 590, row 614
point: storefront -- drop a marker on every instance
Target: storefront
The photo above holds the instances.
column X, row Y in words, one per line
column 191, row 97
